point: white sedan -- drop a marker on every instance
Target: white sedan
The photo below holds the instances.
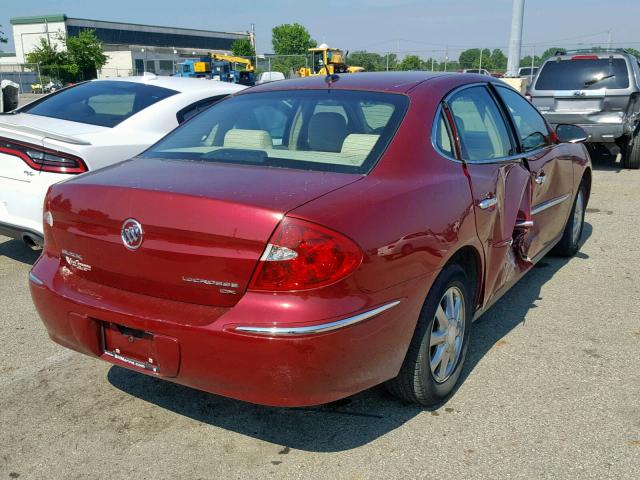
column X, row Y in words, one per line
column 86, row 127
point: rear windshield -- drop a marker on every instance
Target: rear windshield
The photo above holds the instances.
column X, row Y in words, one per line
column 328, row 130
column 528, row 71
column 103, row 103
column 583, row 74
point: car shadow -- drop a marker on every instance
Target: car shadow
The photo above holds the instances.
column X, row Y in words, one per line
column 603, row 160
column 351, row 422
column 18, row 251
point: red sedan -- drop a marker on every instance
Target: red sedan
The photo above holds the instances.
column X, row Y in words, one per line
column 305, row 240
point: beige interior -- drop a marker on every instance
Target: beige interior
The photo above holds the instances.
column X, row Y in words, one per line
column 355, row 148
column 248, row 139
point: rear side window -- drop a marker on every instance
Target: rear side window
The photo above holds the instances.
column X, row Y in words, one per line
column 103, row 103
column 195, row 108
column 583, row 74
column 481, row 128
column 531, row 128
column 443, row 140
column 327, row 130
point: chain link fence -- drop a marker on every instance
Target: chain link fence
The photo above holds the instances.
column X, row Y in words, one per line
column 27, row 76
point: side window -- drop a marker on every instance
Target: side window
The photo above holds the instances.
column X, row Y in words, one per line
column 270, row 118
column 116, row 104
column 532, row 129
column 443, row 140
column 376, row 115
column 331, row 107
column 195, row 108
column 482, row 131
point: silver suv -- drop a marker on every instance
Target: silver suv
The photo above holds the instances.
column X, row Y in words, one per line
column 598, row 90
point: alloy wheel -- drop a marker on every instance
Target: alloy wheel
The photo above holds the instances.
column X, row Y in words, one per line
column 447, row 334
column 578, row 216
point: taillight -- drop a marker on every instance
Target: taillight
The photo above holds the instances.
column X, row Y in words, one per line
column 302, row 255
column 43, row 159
column 528, row 97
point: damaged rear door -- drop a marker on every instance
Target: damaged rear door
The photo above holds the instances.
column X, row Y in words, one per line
column 500, row 180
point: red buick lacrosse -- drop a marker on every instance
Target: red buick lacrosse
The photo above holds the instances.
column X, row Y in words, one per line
column 305, row 240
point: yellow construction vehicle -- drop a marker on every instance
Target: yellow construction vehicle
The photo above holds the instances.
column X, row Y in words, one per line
column 245, row 62
column 327, row 61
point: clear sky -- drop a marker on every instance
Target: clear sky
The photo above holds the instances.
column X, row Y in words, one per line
column 406, row 26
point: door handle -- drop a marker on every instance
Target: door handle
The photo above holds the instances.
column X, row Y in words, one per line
column 488, row 203
column 541, row 178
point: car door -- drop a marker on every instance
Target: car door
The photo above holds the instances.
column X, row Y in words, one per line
column 552, row 173
column 500, row 182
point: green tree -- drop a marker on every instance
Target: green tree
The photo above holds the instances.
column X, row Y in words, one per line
column 86, row 52
column 291, row 39
column 633, row 52
column 53, row 63
column 243, row 48
column 498, row 60
column 411, row 62
column 549, row 52
column 81, row 59
column 526, row 61
column 371, row 62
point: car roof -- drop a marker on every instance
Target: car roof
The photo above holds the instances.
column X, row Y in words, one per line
column 586, row 53
column 400, row 82
column 180, row 84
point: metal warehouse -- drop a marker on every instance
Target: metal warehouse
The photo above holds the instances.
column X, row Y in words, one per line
column 132, row 48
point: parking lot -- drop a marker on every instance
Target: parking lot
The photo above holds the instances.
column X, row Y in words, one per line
column 550, row 390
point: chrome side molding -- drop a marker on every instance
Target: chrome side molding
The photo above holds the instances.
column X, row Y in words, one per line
column 315, row 329
column 34, row 279
column 541, row 207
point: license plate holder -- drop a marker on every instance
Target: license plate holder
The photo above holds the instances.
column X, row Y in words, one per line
column 131, row 346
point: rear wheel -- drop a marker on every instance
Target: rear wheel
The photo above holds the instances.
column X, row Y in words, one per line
column 438, row 348
column 569, row 244
column 631, row 154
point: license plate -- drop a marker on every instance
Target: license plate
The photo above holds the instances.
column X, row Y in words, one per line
column 130, row 346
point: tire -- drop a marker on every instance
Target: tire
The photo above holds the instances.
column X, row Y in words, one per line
column 417, row 382
column 569, row 244
column 631, row 155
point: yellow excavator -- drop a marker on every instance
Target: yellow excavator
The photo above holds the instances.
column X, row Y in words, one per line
column 219, row 57
column 225, row 68
column 327, row 61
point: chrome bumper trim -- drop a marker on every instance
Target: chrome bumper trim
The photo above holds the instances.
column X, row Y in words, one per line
column 314, row 329
column 541, row 207
column 35, row 279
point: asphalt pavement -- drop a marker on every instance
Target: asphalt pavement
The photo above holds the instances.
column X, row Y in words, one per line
column 551, row 390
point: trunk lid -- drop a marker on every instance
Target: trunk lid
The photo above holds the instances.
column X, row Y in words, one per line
column 205, row 225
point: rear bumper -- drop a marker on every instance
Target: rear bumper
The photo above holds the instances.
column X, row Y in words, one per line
column 199, row 346
column 598, row 132
column 21, row 233
column 21, row 203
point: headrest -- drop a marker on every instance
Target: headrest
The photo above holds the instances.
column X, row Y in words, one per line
column 250, row 139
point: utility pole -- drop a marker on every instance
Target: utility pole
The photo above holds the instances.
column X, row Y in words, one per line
column 609, row 40
column 446, row 58
column 480, row 67
column 515, row 41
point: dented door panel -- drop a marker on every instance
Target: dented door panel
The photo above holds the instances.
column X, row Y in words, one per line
column 504, row 228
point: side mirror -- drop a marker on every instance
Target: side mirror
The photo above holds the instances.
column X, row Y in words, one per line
column 571, row 133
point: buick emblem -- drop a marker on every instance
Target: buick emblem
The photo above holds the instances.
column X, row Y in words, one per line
column 132, row 234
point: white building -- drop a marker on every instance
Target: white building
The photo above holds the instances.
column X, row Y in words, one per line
column 131, row 48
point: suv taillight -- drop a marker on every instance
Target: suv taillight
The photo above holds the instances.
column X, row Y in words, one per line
column 302, row 255
column 43, row 159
